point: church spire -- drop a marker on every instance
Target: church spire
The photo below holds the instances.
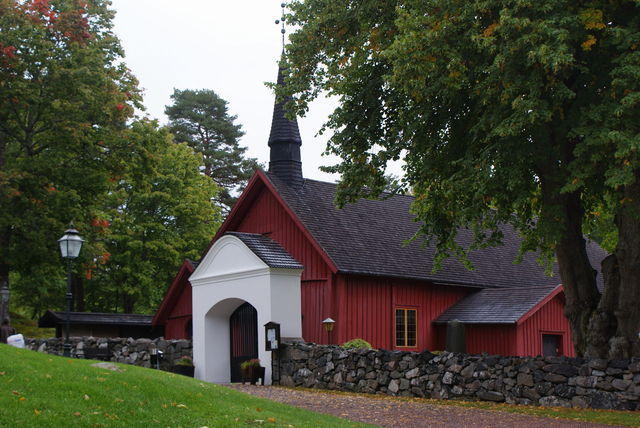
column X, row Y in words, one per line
column 285, row 142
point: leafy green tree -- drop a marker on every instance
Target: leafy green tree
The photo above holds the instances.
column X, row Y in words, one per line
column 162, row 211
column 64, row 98
column 514, row 112
column 201, row 119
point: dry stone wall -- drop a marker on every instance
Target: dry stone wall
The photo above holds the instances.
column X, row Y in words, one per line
column 545, row 381
column 122, row 350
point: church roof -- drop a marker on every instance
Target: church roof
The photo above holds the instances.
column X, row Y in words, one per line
column 496, row 305
column 369, row 237
column 268, row 250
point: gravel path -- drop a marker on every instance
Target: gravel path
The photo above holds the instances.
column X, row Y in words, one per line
column 399, row 413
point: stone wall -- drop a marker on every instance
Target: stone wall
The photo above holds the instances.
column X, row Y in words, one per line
column 123, row 350
column 546, row 381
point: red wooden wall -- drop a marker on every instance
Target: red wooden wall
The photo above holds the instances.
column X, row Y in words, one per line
column 522, row 339
column 549, row 318
column 267, row 216
column 366, row 309
column 493, row 339
column 180, row 314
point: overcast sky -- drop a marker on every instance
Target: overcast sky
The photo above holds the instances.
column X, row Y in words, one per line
column 231, row 47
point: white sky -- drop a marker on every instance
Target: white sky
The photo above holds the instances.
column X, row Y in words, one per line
column 229, row 46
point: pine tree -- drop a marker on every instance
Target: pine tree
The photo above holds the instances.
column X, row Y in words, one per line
column 201, row 119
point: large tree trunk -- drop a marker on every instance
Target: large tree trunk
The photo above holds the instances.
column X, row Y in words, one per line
column 602, row 325
column 577, row 274
column 625, row 342
column 128, row 302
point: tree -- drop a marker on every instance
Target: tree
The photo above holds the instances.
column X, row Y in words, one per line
column 162, row 211
column 201, row 119
column 514, row 112
column 65, row 97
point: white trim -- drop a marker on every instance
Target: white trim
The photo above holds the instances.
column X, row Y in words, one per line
column 228, row 276
column 287, row 271
column 244, row 257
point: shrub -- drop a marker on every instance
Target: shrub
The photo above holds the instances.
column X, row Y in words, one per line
column 250, row 363
column 184, row 361
column 357, row 344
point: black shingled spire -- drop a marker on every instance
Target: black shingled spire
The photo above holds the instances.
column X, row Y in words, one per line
column 285, row 143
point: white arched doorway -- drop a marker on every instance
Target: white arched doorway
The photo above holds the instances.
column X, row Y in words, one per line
column 239, row 269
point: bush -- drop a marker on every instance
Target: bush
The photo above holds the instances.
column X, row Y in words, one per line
column 357, row 344
column 184, row 361
column 250, row 363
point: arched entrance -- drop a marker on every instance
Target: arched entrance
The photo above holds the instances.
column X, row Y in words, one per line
column 235, row 293
column 243, row 334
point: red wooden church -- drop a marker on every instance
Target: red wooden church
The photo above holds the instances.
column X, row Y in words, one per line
column 359, row 271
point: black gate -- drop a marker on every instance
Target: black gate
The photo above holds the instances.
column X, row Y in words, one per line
column 243, row 325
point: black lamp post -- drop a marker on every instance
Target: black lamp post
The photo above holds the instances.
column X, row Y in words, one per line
column 4, row 301
column 70, row 245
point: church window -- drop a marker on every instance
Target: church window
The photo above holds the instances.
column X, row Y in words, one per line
column 406, row 327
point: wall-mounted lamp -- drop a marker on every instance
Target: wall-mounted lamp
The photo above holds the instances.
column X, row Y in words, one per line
column 328, row 324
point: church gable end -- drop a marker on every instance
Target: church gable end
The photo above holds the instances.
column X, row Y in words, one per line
column 268, row 216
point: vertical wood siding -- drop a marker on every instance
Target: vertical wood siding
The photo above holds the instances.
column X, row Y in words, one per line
column 495, row 339
column 180, row 314
column 313, row 310
column 369, row 308
column 548, row 319
column 267, row 216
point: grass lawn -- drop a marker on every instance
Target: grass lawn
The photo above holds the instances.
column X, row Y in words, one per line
column 47, row 391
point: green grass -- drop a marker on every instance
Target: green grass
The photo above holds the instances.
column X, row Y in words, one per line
column 606, row 417
column 47, row 391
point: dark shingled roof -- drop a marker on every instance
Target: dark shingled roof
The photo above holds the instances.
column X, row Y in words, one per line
column 282, row 128
column 284, row 141
column 53, row 318
column 368, row 237
column 495, row 305
column 268, row 250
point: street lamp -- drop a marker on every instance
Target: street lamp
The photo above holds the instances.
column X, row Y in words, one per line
column 70, row 245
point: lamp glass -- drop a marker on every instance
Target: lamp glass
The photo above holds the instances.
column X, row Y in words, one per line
column 328, row 324
column 70, row 244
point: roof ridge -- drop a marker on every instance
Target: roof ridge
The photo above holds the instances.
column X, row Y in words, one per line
column 526, row 287
column 100, row 313
column 246, row 233
column 305, row 179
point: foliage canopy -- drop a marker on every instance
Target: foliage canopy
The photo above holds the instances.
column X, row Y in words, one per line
column 69, row 151
column 504, row 112
column 200, row 118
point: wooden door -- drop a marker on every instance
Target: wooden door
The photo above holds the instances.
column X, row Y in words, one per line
column 551, row 345
column 243, row 325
